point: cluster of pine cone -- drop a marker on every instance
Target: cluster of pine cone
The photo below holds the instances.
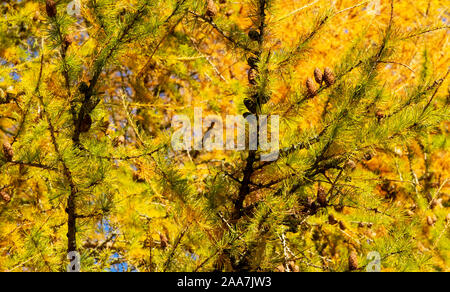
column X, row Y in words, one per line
column 211, row 9
column 8, row 152
column 50, row 7
column 252, row 102
column 320, row 77
column 5, row 196
column 353, row 261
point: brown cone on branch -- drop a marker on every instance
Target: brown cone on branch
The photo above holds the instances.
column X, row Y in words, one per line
column 353, row 261
column 68, row 40
column 5, row 196
column 211, row 8
column 50, row 7
column 252, row 76
column 229, row 13
column 431, row 220
column 328, row 76
column 379, row 115
column 164, row 241
column 332, row 220
column 86, row 124
column 318, row 76
column 322, row 197
column 8, row 151
column 311, row 88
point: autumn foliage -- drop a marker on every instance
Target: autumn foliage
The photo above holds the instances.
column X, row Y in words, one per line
column 88, row 94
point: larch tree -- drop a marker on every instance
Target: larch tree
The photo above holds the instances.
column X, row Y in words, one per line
column 89, row 92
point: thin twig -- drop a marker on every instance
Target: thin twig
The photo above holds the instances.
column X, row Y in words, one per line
column 437, row 192
column 398, row 63
column 172, row 253
column 296, row 11
column 352, row 7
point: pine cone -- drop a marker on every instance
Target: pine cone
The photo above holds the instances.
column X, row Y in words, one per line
column 368, row 156
column 318, row 75
column 311, row 87
column 211, row 8
column 5, row 196
column 8, row 151
column 379, row 115
column 86, row 124
column 322, row 197
column 328, row 76
column 332, row 220
column 342, row 226
column 252, row 75
column 353, row 261
column 50, row 7
column 68, row 40
column 431, row 220
column 254, row 35
column 250, row 105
